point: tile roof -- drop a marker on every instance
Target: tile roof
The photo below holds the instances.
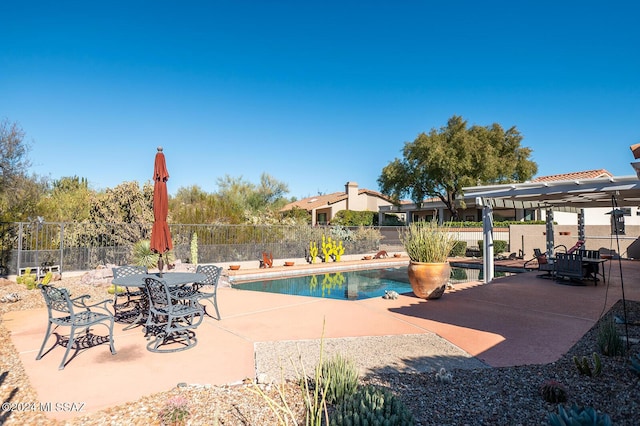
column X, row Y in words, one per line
column 317, row 201
column 588, row 174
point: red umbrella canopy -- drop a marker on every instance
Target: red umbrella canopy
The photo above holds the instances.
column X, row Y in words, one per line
column 160, row 235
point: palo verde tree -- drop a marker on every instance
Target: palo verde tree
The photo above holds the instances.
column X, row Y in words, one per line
column 439, row 164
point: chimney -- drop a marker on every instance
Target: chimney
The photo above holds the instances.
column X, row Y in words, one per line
column 351, row 188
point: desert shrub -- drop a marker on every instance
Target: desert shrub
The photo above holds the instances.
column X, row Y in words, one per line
column 459, row 249
column 499, row 246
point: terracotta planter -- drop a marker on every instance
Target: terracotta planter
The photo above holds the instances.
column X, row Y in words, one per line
column 234, row 267
column 289, row 263
column 429, row 280
column 366, row 258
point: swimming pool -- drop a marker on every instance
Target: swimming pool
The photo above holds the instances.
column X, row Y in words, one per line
column 351, row 285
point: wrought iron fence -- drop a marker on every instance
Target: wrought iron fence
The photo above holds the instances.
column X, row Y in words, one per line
column 42, row 246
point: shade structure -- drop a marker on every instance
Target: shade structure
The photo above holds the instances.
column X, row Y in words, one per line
column 160, row 234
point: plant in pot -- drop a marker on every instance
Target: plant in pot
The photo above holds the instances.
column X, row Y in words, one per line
column 428, row 245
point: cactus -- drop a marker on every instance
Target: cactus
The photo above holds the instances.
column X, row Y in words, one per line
column 326, row 247
column 313, row 251
column 609, row 341
column 341, row 376
column 443, row 376
column 194, row 248
column 27, row 279
column 338, row 251
column 553, row 391
column 371, row 405
column 578, row 416
column 585, row 369
column 47, row 278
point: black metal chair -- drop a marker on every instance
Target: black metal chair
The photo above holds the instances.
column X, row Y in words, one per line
column 170, row 320
column 76, row 314
column 128, row 302
column 208, row 288
column 544, row 265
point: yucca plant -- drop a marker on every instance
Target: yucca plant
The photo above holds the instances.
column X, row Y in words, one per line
column 427, row 242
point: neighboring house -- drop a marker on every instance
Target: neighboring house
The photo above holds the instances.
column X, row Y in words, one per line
column 434, row 208
column 323, row 208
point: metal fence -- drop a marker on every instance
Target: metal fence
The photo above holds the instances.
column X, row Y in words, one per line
column 43, row 246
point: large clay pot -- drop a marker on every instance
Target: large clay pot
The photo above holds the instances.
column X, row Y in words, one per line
column 429, row 280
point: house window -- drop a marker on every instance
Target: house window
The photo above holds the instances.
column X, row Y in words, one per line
column 322, row 218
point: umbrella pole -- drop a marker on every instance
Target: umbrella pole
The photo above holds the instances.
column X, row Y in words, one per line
column 160, row 264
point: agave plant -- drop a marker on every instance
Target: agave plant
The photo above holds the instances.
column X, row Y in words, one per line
column 144, row 256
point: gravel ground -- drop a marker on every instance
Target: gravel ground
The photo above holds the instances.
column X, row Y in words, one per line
column 476, row 396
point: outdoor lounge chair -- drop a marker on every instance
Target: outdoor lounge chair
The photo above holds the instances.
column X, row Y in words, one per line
column 76, row 314
column 170, row 320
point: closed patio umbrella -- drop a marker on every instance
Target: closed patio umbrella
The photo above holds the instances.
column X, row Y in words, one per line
column 160, row 234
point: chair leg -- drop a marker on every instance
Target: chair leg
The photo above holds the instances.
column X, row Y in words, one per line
column 111, row 342
column 44, row 342
column 215, row 305
column 70, row 343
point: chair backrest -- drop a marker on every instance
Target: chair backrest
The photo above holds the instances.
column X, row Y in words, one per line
column 128, row 270
column 541, row 257
column 212, row 272
column 577, row 246
column 57, row 299
column 589, row 254
column 158, row 293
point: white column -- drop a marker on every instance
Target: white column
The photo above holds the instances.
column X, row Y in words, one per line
column 487, row 232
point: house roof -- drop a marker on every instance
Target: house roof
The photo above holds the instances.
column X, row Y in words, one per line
column 318, row 201
column 588, row 174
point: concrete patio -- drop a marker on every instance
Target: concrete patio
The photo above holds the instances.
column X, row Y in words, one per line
column 520, row 319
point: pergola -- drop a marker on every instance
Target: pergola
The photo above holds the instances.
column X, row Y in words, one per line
column 574, row 196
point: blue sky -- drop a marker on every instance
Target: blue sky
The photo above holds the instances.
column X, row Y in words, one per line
column 313, row 93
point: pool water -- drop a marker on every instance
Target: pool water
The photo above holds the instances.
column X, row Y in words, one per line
column 351, row 285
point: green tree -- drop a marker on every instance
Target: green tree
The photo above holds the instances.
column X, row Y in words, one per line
column 67, row 200
column 19, row 192
column 439, row 164
column 193, row 205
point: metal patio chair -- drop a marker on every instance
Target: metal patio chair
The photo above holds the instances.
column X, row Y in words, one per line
column 170, row 320
column 208, row 288
column 128, row 304
column 76, row 314
column 544, row 265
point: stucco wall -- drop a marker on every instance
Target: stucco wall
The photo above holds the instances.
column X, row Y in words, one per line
column 598, row 237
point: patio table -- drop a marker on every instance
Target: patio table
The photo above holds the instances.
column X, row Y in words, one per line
column 593, row 265
column 173, row 279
